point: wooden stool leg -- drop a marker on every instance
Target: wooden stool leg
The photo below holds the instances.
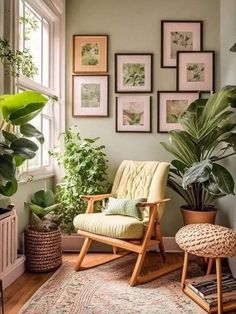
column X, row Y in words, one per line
column 209, row 267
column 185, row 267
column 219, row 285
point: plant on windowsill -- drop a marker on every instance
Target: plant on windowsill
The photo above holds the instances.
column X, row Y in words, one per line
column 15, row 144
column 208, row 136
column 42, row 236
column 85, row 167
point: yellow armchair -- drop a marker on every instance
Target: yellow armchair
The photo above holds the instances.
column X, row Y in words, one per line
column 134, row 179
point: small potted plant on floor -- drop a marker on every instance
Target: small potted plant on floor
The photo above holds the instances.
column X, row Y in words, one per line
column 208, row 136
column 43, row 237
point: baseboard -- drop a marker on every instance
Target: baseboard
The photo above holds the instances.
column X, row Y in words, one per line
column 74, row 242
column 14, row 272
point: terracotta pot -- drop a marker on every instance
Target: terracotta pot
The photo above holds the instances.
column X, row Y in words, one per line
column 197, row 217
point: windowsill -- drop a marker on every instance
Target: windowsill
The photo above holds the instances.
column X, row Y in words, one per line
column 37, row 176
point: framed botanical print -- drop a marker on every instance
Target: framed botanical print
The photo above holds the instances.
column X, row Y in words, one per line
column 171, row 105
column 195, row 71
column 179, row 36
column 90, row 53
column 133, row 72
column 133, row 114
column 90, row 95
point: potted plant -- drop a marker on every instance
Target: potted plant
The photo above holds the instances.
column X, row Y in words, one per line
column 16, row 132
column 43, row 237
column 208, row 136
column 85, row 167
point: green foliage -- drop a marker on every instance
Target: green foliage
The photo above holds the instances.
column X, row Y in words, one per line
column 133, row 74
column 85, row 168
column 42, row 204
column 208, row 136
column 15, row 148
column 20, row 62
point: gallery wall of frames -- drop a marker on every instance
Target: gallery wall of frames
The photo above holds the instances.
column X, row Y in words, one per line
column 181, row 48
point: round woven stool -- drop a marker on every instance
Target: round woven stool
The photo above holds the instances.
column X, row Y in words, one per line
column 210, row 241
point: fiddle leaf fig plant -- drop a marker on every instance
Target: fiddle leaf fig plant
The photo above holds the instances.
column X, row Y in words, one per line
column 208, row 136
column 15, row 145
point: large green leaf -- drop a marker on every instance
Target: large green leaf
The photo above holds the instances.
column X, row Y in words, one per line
column 4, row 149
column 10, row 137
column 29, row 130
column 43, row 198
column 24, row 148
column 23, row 107
column 182, row 147
column 9, row 188
column 223, row 179
column 199, row 172
column 179, row 165
column 19, row 160
column 7, row 167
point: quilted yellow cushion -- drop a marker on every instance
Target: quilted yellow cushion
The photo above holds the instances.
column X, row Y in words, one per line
column 115, row 226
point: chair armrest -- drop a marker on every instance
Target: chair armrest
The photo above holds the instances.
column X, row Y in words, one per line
column 151, row 204
column 97, row 197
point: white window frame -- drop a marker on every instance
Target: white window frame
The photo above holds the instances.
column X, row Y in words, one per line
column 55, row 16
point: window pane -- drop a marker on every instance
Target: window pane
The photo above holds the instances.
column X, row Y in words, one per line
column 45, row 53
column 32, row 40
column 34, row 36
column 46, row 144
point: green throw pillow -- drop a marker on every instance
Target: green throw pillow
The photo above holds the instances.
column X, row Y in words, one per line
column 124, row 207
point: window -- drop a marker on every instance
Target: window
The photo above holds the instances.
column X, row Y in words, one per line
column 39, row 34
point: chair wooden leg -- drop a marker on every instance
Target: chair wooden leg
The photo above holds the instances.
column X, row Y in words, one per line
column 219, row 285
column 115, row 249
column 85, row 247
column 161, row 244
column 137, row 268
column 185, row 267
column 210, row 265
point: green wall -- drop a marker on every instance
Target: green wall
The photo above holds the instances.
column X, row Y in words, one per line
column 134, row 26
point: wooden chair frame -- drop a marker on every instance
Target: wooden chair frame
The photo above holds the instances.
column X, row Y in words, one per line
column 151, row 239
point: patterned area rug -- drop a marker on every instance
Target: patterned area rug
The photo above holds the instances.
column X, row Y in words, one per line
column 105, row 290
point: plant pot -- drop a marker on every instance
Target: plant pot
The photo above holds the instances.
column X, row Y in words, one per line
column 197, row 217
column 43, row 250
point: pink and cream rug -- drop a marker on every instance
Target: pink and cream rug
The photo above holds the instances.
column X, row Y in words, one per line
column 105, row 290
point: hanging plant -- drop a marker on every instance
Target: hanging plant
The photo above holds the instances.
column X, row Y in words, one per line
column 20, row 62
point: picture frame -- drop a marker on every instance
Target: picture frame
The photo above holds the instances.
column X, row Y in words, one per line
column 133, row 114
column 170, row 105
column 133, row 72
column 90, row 95
column 90, row 54
column 195, row 71
column 179, row 35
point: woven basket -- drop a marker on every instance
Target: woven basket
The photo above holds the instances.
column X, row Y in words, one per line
column 43, row 250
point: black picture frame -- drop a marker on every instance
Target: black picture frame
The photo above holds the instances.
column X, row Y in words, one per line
column 129, row 58
column 120, row 127
column 164, row 126
column 166, row 60
column 196, row 58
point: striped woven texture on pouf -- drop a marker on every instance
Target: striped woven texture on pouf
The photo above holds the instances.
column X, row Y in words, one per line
column 207, row 240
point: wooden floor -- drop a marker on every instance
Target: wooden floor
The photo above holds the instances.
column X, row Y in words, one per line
column 25, row 286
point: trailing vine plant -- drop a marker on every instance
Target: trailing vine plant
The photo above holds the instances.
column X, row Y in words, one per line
column 85, row 167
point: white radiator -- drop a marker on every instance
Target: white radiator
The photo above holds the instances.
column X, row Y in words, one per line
column 8, row 241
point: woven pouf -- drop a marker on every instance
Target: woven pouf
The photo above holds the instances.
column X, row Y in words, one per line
column 207, row 240
column 211, row 241
column 43, row 250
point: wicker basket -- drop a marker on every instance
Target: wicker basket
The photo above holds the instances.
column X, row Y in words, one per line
column 43, row 250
